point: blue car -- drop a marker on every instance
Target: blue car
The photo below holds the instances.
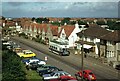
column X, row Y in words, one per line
column 27, row 60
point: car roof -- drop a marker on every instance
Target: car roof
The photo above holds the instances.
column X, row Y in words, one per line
column 87, row 71
column 60, row 72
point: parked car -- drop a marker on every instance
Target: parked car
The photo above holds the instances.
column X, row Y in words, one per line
column 64, row 78
column 32, row 65
column 49, row 70
column 87, row 75
column 117, row 67
column 26, row 53
column 44, row 67
column 30, row 59
column 33, row 59
column 55, row 75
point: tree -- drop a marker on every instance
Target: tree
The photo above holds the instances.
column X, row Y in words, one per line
column 82, row 22
column 101, row 23
column 65, row 20
column 115, row 26
column 3, row 18
column 33, row 18
column 55, row 23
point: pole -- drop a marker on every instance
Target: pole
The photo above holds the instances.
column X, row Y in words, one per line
column 82, row 53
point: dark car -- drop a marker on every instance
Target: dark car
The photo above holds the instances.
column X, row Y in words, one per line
column 43, row 67
column 117, row 67
column 49, row 70
column 32, row 66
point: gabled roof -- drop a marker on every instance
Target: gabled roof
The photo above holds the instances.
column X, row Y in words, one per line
column 68, row 29
column 43, row 26
column 54, row 30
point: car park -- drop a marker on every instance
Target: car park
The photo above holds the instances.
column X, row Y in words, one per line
column 87, row 75
column 49, row 70
column 26, row 53
column 55, row 75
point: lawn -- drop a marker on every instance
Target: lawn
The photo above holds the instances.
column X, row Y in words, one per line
column 31, row 75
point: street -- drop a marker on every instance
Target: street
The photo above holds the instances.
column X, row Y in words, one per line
column 71, row 63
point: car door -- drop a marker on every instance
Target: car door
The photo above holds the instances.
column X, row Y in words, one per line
column 56, row 75
column 84, row 74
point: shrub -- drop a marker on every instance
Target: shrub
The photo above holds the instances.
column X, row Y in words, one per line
column 11, row 67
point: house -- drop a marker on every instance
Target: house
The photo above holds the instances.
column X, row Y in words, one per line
column 52, row 32
column 112, row 47
column 101, row 42
column 68, row 33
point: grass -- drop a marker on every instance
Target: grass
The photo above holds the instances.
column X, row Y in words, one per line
column 32, row 75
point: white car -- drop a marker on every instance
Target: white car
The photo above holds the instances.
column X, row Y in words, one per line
column 55, row 75
column 40, row 62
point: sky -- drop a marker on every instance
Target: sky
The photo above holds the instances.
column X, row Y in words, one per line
column 54, row 8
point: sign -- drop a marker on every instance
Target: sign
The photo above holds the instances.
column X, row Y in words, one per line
column 46, row 58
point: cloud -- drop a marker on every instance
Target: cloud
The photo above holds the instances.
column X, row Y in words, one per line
column 15, row 3
column 85, row 9
column 60, row 0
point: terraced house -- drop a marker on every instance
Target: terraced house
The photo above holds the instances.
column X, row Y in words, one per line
column 50, row 32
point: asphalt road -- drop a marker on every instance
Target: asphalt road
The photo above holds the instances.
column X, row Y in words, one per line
column 71, row 63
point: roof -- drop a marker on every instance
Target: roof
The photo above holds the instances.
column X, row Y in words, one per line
column 94, row 31
column 112, row 36
column 68, row 29
column 54, row 30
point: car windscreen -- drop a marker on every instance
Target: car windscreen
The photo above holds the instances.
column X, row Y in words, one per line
column 90, row 73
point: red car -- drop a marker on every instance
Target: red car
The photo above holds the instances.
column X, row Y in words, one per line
column 87, row 75
column 64, row 78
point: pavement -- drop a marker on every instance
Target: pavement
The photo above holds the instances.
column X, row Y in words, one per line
column 90, row 55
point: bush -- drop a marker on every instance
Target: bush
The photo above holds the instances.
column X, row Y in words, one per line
column 11, row 67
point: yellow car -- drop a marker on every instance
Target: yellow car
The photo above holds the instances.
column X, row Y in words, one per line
column 26, row 53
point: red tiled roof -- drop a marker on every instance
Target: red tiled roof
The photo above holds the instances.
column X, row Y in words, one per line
column 43, row 26
column 68, row 29
column 10, row 23
column 54, row 30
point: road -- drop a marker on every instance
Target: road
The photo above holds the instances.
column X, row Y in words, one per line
column 71, row 63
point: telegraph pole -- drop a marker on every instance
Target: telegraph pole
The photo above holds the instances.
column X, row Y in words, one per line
column 82, row 51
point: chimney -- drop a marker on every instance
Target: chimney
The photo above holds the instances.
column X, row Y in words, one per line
column 77, row 25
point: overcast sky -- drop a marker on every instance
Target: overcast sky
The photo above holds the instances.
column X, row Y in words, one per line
column 60, row 9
